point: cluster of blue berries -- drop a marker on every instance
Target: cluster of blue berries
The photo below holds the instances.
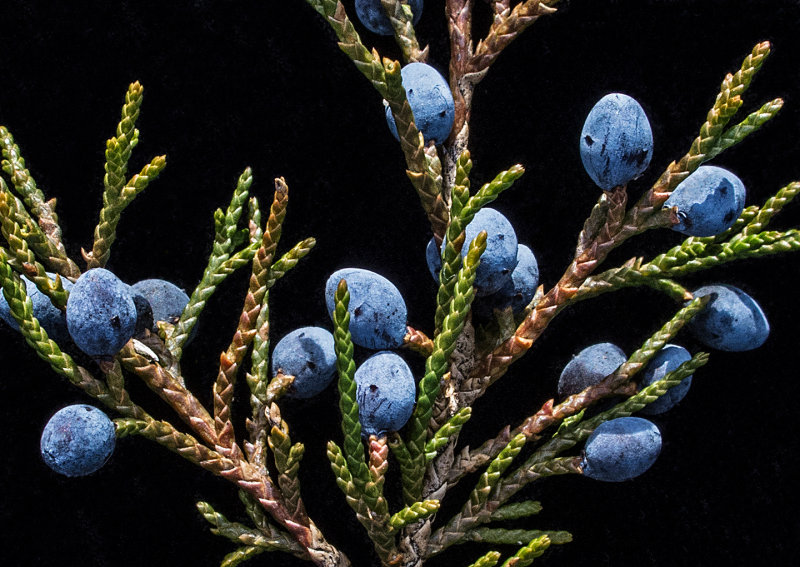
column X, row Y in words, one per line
column 508, row 273
column 386, row 390
column 616, row 146
column 623, row 448
column 103, row 313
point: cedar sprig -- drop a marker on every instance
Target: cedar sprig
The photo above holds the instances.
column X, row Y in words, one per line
column 446, row 433
column 491, row 190
column 506, row 26
column 48, row 245
column 413, row 513
column 119, row 193
column 378, row 533
column 401, row 17
column 23, row 257
column 287, row 458
column 525, row 556
column 264, row 523
column 378, row 450
column 105, row 233
column 164, row 433
column 241, row 534
column 437, row 363
column 225, row 229
column 451, row 247
column 628, row 276
column 501, row 536
column 254, row 221
column 289, row 260
column 592, row 225
column 771, row 207
column 756, row 245
column 455, row 531
column 570, row 410
column 258, row 377
column 160, row 380
column 119, row 398
column 348, row 402
column 517, row 510
column 408, row 467
column 748, row 214
column 753, row 122
column 259, row 282
column 351, row 470
column 475, row 510
column 126, row 137
column 241, row 555
column 490, row 559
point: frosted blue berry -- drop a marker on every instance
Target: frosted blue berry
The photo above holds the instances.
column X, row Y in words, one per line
column 497, row 261
column 101, row 313
column 616, row 141
column 621, row 449
column 500, row 257
column 166, row 299
column 518, row 292
column 307, row 354
column 50, row 317
column 77, row 440
column 709, row 201
column 377, row 310
column 589, row 367
column 386, row 393
column 731, row 321
column 372, row 14
column 431, row 102
column 665, row 361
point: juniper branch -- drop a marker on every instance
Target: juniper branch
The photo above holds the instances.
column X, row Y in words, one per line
column 48, row 243
column 225, row 226
column 401, row 17
column 436, row 364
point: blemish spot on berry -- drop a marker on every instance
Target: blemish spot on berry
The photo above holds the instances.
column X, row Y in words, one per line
column 589, row 141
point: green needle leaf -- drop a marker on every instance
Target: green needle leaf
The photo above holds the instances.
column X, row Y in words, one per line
column 489, row 560
column 348, row 403
column 450, row 428
column 225, row 226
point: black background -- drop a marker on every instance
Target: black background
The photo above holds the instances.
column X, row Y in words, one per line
column 262, row 84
